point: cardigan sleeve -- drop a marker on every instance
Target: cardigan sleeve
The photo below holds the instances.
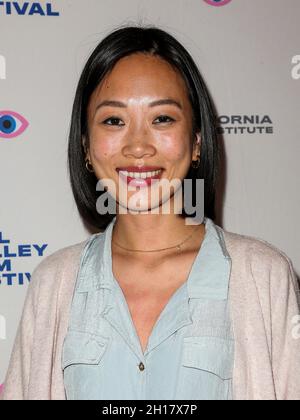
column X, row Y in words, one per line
column 18, row 374
column 34, row 371
column 285, row 331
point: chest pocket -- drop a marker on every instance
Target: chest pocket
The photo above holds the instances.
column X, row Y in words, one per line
column 82, row 355
column 206, row 368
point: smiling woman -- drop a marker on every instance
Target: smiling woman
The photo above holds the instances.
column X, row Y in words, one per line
column 130, row 117
column 147, row 139
column 153, row 307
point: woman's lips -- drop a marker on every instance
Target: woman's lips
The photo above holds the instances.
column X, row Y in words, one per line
column 140, row 182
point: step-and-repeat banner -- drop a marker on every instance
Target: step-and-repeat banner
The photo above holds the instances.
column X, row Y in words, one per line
column 249, row 55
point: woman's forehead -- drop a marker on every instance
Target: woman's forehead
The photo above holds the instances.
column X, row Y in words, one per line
column 141, row 77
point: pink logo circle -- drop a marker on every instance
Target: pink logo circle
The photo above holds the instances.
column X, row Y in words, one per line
column 1, row 388
column 217, row 3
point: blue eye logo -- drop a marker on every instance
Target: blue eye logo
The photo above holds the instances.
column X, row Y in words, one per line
column 217, row 2
column 12, row 124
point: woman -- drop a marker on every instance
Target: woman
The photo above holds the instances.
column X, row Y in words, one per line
column 155, row 306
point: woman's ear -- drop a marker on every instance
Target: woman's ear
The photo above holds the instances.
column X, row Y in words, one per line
column 197, row 146
column 85, row 148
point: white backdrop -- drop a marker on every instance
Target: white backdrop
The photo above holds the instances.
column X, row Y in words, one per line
column 249, row 55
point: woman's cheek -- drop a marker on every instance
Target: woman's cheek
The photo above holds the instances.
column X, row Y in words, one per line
column 174, row 148
column 104, row 148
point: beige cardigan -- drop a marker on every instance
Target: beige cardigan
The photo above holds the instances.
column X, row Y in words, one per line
column 265, row 314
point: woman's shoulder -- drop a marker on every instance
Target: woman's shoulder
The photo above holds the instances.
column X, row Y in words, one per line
column 255, row 248
column 62, row 257
column 256, row 258
column 59, row 265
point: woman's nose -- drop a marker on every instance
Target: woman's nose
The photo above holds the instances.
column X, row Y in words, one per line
column 139, row 142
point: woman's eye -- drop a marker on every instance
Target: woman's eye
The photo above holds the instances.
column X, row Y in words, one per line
column 114, row 121
column 164, row 119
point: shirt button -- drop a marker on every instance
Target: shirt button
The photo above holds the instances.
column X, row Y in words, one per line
column 141, row 366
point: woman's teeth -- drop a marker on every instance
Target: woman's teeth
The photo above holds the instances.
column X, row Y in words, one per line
column 142, row 175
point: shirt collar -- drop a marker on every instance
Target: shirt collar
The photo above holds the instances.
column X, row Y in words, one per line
column 209, row 274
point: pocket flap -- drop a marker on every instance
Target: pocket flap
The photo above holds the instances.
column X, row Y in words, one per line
column 83, row 348
column 212, row 354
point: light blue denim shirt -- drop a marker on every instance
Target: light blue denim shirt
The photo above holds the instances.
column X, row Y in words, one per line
column 190, row 352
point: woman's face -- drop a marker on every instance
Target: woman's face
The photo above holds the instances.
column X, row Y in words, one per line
column 130, row 130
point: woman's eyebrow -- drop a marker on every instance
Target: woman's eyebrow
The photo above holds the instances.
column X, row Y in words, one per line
column 167, row 101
